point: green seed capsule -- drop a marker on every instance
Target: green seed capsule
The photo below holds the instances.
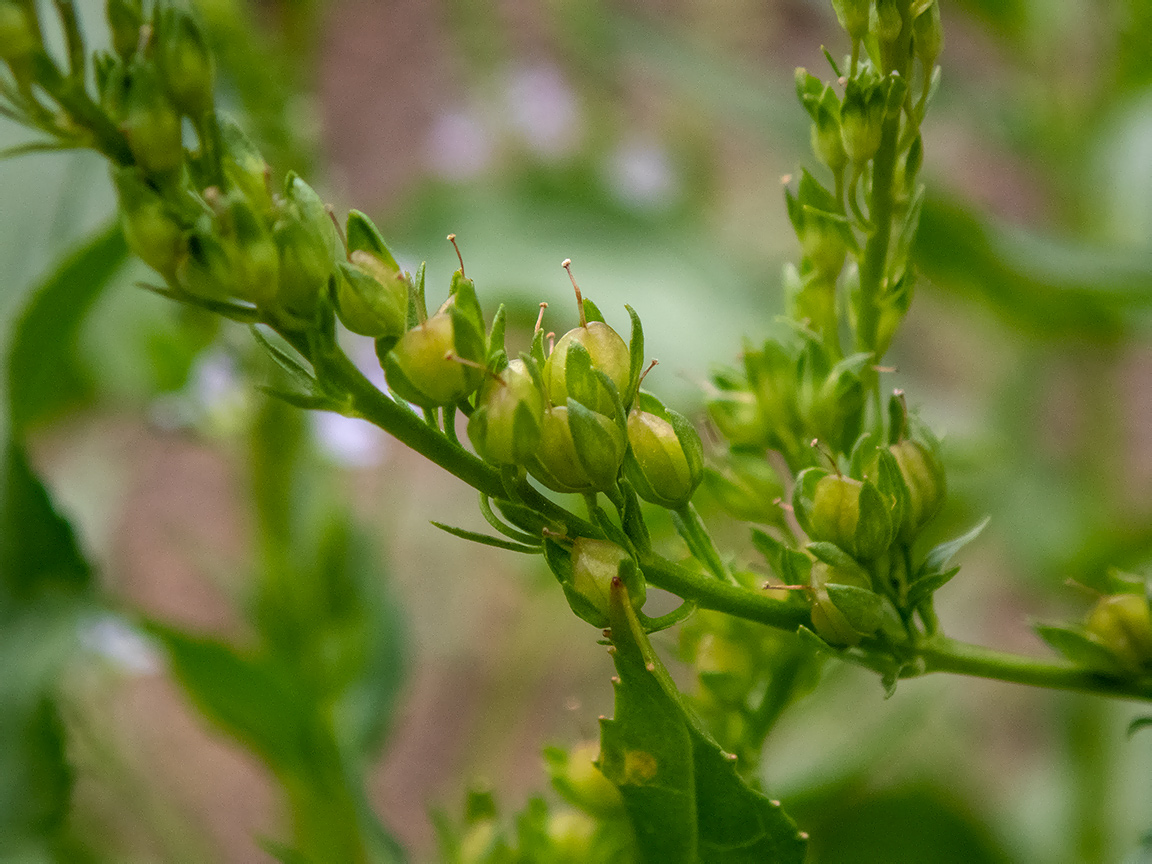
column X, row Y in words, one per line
column 846, row 512
column 665, row 460
column 924, row 477
column 371, row 297
column 253, row 252
column 1122, row 623
column 830, row 622
column 609, row 355
column 507, row 424
column 595, row 563
column 423, row 367
column 580, row 450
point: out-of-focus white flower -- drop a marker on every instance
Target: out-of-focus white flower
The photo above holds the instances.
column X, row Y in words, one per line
column 642, row 176
column 349, row 441
column 543, row 110
column 459, row 145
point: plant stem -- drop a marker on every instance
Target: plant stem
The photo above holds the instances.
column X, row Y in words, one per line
column 709, row 593
column 941, row 654
column 407, row 428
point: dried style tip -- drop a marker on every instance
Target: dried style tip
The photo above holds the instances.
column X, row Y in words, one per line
column 540, row 318
column 459, row 257
column 567, row 265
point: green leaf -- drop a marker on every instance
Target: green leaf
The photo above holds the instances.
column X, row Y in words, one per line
column 682, row 792
column 253, row 698
column 485, row 540
column 45, row 375
column 39, row 554
column 938, row 558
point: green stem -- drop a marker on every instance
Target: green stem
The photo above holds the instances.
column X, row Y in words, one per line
column 709, row 593
column 941, row 654
column 407, row 428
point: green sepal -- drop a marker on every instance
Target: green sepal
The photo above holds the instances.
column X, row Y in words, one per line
column 368, row 308
column 537, row 349
column 1080, row 648
column 936, row 561
column 803, row 496
column 834, row 556
column 683, row 794
column 496, row 340
column 860, row 607
column 890, row 483
column 632, row 519
column 361, row 234
column 600, row 452
column 923, row 587
column 417, row 304
column 636, row 357
column 592, row 311
column 467, row 320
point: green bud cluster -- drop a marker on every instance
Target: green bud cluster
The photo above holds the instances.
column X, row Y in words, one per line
column 791, row 391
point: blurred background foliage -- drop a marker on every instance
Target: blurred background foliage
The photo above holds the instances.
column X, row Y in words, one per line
column 286, row 561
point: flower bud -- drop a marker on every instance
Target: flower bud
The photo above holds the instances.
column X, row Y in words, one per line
column 423, row 367
column 665, row 459
column 244, row 166
column 579, row 782
column 506, row 426
column 846, row 512
column 886, row 22
column 853, row 16
column 184, row 61
column 928, row 34
column 125, row 18
column 1121, row 622
column 371, row 297
column 580, row 450
column 609, row 355
column 595, row 563
column 18, row 36
column 151, row 123
column 253, row 252
column 827, row 143
column 924, row 477
column 206, row 271
column 862, row 119
column 149, row 229
column 304, row 236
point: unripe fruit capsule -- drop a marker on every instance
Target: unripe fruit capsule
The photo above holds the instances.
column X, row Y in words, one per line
column 506, row 426
column 1123, row 624
column 422, row 367
column 595, row 563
